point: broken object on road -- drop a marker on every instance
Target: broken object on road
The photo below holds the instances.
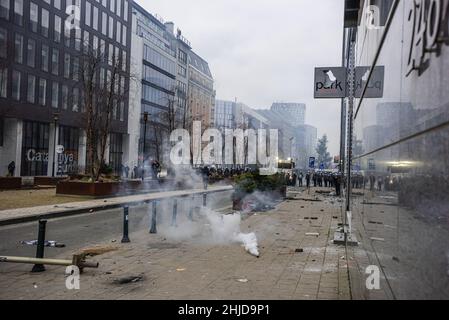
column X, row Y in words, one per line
column 51, row 243
column 313, row 234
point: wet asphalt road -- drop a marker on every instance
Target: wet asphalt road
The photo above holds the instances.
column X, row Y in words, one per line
column 84, row 230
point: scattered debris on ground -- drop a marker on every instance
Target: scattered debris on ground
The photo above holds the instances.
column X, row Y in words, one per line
column 50, row 243
column 97, row 250
column 128, row 279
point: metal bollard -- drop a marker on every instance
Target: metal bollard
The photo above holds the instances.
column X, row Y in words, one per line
column 191, row 209
column 40, row 246
column 204, row 199
column 153, row 228
column 175, row 213
column 125, row 238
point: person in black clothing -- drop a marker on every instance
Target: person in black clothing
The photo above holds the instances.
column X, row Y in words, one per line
column 205, row 174
column 308, row 180
column 11, row 169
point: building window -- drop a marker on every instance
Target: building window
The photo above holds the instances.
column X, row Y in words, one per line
column 16, row 79
column 31, row 53
column 33, row 16
column 111, row 28
column 3, row 43
column 76, row 98
column 55, row 62
column 76, row 68
column 18, row 12
column 67, row 65
column 44, row 57
column 45, row 22
column 124, row 34
column 3, row 82
column 55, row 95
column 95, row 19
column 58, row 26
column 104, row 23
column 86, row 41
column 18, row 48
column 88, row 16
column 65, row 97
column 182, row 71
column 78, row 39
column 118, row 32
column 124, row 62
column 42, row 92
column 118, row 9
column 182, row 56
column 57, row 4
column 31, row 95
column 116, row 152
column 35, row 148
column 4, row 9
column 125, row 10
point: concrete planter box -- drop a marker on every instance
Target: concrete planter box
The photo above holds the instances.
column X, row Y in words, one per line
column 99, row 189
column 10, row 183
column 47, row 181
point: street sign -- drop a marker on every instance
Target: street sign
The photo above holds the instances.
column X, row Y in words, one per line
column 59, row 149
column 312, row 162
column 371, row 164
column 322, row 167
column 375, row 87
column 330, row 82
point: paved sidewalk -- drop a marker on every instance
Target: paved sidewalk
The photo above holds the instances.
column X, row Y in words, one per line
column 51, row 211
column 193, row 269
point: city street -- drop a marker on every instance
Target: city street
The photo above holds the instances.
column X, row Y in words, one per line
column 297, row 258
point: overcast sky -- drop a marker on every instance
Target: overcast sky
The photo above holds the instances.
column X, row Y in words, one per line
column 265, row 51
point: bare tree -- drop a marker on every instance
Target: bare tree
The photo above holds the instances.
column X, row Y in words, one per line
column 103, row 81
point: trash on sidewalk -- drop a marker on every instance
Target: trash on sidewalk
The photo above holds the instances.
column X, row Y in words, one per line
column 313, row 234
column 51, row 243
column 377, row 239
column 300, row 250
column 243, row 280
column 128, row 279
column 181, row 269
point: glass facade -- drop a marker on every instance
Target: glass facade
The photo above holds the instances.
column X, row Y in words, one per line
column 68, row 160
column 35, row 148
column 402, row 219
column 116, row 152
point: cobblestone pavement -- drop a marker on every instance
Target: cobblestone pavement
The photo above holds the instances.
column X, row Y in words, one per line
column 196, row 270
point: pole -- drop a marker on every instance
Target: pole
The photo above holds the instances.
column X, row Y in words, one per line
column 55, row 116
column 175, row 212
column 144, row 147
column 204, row 199
column 40, row 246
column 351, row 75
column 153, row 229
column 125, row 238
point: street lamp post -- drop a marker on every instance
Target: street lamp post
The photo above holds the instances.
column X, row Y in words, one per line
column 145, row 120
column 55, row 119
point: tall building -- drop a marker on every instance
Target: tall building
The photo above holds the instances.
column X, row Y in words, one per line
column 294, row 113
column 154, row 63
column 41, row 96
column 174, row 86
column 201, row 91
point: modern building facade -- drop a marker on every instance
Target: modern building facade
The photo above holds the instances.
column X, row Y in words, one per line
column 201, row 93
column 174, row 86
column 294, row 113
column 406, row 145
column 41, row 98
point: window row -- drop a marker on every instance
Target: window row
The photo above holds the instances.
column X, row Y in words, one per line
column 159, row 60
column 44, row 92
column 157, row 78
column 155, row 96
